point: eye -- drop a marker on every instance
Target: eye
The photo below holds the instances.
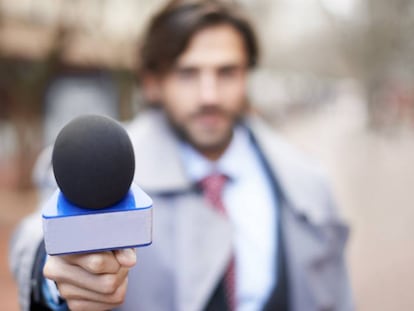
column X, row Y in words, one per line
column 186, row 73
column 230, row 71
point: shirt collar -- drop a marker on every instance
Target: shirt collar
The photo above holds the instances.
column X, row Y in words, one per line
column 231, row 163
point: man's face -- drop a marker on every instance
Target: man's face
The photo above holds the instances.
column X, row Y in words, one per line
column 204, row 94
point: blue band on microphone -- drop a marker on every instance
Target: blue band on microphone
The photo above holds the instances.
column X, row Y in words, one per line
column 66, row 208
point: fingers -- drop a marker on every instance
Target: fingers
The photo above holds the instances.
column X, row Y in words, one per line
column 74, row 293
column 97, row 263
column 85, row 305
column 60, row 271
column 93, row 281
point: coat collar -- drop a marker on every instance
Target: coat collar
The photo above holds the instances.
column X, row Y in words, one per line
column 164, row 172
column 302, row 182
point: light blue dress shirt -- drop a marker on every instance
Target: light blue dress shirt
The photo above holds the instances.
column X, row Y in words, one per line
column 252, row 209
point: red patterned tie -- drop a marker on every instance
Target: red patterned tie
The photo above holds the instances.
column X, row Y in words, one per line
column 212, row 186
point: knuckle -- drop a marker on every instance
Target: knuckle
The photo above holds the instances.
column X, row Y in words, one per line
column 46, row 271
column 117, row 299
column 119, row 296
column 76, row 305
column 49, row 270
column 67, row 292
column 96, row 263
column 109, row 284
column 63, row 291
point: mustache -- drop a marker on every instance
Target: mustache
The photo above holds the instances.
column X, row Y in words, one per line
column 210, row 110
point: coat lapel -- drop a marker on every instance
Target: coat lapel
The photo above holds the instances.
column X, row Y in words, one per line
column 163, row 170
column 200, row 235
column 313, row 235
column 311, row 252
column 203, row 251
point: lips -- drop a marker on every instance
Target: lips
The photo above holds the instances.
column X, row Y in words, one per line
column 209, row 119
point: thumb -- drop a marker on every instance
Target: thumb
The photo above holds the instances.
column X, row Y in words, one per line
column 126, row 257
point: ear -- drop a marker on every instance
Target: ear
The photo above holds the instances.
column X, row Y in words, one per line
column 151, row 88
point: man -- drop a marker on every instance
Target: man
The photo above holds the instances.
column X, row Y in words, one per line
column 241, row 220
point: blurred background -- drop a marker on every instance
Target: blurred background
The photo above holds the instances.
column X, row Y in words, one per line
column 336, row 77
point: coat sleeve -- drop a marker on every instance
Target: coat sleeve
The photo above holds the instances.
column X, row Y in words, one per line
column 28, row 236
column 336, row 233
column 344, row 294
column 22, row 255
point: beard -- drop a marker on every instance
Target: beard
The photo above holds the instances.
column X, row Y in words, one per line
column 209, row 129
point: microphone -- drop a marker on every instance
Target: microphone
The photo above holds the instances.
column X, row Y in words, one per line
column 97, row 207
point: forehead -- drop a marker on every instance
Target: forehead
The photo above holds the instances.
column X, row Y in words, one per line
column 218, row 45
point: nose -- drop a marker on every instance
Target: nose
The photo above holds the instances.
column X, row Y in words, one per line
column 208, row 89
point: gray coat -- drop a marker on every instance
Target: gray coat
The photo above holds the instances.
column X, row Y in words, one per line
column 191, row 242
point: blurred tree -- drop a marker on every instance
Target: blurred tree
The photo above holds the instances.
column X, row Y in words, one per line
column 24, row 79
column 21, row 85
column 377, row 44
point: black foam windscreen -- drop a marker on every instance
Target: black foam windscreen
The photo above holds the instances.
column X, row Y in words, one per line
column 93, row 161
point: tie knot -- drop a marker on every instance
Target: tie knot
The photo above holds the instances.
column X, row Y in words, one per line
column 212, row 187
column 213, row 183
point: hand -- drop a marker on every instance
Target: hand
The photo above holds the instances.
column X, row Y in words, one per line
column 91, row 281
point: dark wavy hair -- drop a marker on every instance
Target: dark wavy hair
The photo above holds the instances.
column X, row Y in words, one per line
column 171, row 30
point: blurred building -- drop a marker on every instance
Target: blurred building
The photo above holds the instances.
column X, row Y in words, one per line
column 309, row 47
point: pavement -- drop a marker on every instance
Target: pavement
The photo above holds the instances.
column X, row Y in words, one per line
column 13, row 207
column 372, row 176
